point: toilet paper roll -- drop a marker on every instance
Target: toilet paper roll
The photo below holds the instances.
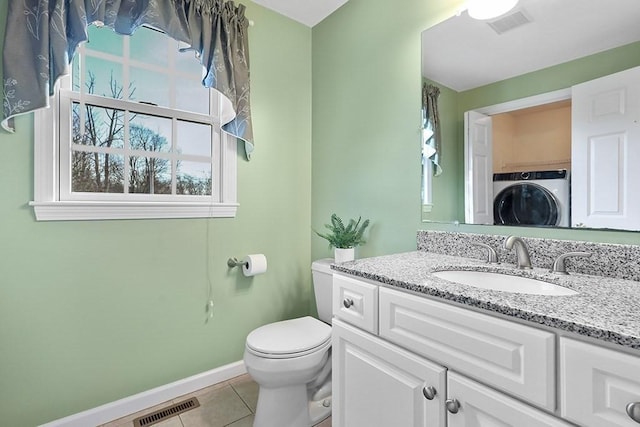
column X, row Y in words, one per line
column 254, row 264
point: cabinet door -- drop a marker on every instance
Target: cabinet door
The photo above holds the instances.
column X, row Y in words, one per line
column 377, row 384
column 598, row 384
column 480, row 406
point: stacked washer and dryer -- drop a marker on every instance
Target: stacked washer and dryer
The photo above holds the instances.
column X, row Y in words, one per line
column 540, row 198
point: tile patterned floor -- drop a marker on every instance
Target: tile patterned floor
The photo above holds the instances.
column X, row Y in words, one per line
column 231, row 403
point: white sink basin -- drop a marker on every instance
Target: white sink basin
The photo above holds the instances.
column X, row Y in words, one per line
column 503, row 282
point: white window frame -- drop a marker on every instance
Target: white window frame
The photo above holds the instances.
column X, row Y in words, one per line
column 49, row 201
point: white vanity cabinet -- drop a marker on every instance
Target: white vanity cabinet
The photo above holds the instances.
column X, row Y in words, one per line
column 599, row 386
column 431, row 364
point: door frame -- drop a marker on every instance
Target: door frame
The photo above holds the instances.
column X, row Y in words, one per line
column 529, row 101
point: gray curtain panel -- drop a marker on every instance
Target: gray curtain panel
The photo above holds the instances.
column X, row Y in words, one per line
column 431, row 126
column 42, row 36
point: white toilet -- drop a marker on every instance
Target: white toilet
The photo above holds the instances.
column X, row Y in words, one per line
column 291, row 362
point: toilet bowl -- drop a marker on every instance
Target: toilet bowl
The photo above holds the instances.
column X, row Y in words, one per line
column 291, row 362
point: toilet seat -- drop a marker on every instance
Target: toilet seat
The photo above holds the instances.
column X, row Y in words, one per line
column 289, row 338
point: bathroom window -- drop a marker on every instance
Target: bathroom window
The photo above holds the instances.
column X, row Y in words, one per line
column 135, row 135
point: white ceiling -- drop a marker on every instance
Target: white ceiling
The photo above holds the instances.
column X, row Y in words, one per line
column 463, row 53
column 308, row 12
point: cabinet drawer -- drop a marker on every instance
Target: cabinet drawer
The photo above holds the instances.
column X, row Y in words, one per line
column 515, row 358
column 597, row 384
column 356, row 302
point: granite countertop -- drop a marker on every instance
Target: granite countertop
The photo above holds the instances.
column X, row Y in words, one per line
column 605, row 308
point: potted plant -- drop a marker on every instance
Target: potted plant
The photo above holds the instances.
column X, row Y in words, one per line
column 344, row 238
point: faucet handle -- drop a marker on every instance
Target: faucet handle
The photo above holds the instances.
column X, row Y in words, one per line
column 559, row 266
column 492, row 256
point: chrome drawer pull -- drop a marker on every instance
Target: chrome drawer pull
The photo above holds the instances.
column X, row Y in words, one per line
column 348, row 302
column 429, row 392
column 453, row 406
column 633, row 410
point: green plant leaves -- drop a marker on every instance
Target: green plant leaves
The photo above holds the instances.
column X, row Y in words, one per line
column 344, row 237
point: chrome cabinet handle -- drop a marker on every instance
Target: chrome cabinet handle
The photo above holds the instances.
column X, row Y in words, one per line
column 452, row 405
column 633, row 410
column 347, row 302
column 429, row 392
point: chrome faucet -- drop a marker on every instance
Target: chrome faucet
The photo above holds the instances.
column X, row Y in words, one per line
column 558, row 265
column 522, row 254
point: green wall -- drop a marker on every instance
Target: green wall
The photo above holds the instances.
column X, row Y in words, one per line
column 366, row 119
column 91, row 312
column 560, row 76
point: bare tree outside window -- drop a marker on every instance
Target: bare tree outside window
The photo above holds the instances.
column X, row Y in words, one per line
column 148, row 174
column 191, row 185
column 103, row 127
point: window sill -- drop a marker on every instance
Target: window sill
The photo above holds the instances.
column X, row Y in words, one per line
column 74, row 211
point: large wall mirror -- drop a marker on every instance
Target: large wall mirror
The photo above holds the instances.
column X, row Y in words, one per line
column 539, row 115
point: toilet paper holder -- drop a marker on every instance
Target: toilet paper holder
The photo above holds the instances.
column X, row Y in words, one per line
column 234, row 262
column 251, row 265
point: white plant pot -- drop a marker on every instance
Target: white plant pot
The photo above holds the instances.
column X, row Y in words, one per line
column 344, row 255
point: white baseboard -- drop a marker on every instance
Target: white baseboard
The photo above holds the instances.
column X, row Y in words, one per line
column 132, row 404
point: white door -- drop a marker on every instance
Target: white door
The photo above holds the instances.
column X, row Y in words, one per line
column 478, row 160
column 478, row 406
column 377, row 384
column 605, row 152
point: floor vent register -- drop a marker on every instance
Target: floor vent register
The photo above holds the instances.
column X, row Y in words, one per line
column 168, row 412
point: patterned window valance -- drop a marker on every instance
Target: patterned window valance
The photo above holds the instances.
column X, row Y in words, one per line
column 42, row 37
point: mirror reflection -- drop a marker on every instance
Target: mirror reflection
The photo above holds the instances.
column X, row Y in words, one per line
column 539, row 111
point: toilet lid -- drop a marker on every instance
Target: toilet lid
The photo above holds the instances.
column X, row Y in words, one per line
column 289, row 336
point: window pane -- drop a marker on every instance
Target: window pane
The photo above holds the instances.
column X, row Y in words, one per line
column 75, row 73
column 193, row 178
column 105, row 40
column 188, row 62
column 103, row 77
column 149, row 86
column 192, row 96
column 150, row 133
column 97, row 172
column 149, row 46
column 149, row 175
column 194, row 138
column 103, row 127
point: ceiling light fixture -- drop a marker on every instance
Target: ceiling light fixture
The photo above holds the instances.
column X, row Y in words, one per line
column 487, row 9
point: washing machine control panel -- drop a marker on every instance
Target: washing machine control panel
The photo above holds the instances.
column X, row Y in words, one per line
column 529, row 175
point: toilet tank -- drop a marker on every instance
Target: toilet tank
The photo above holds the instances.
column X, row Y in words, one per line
column 323, row 287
